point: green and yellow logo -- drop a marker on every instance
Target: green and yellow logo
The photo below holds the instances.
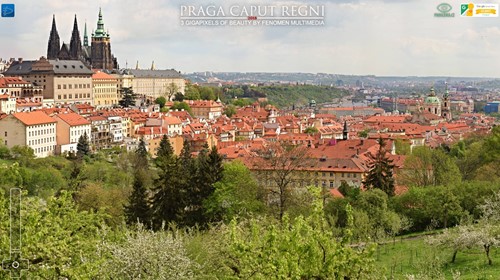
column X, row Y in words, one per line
column 479, row 10
column 444, row 10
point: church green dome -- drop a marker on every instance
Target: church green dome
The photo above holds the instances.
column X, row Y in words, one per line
column 432, row 100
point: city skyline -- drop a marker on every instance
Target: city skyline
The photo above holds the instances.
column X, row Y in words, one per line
column 383, row 38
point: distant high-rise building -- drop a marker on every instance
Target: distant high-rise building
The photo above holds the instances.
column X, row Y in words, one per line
column 97, row 55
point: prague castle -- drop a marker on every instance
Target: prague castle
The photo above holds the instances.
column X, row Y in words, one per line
column 97, row 55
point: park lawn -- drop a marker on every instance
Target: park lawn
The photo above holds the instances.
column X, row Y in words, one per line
column 415, row 257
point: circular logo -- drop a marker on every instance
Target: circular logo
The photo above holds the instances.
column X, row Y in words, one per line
column 444, row 7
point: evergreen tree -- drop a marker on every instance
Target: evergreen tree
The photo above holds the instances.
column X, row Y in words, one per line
column 141, row 155
column 380, row 174
column 208, row 172
column 138, row 209
column 83, row 148
column 167, row 203
column 128, row 97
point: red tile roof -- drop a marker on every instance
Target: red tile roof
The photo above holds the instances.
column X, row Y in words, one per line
column 73, row 119
column 34, row 118
column 102, row 76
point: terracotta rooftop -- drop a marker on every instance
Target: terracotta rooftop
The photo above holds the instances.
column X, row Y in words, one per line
column 34, row 118
column 73, row 119
column 102, row 76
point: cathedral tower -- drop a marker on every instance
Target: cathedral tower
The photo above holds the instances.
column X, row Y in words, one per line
column 101, row 57
column 54, row 42
column 446, row 109
column 75, row 45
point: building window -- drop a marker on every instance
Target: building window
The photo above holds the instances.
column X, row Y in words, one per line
column 348, row 175
column 342, row 175
column 5, row 133
column 331, row 174
column 331, row 184
column 64, row 86
column 58, row 86
column 354, row 175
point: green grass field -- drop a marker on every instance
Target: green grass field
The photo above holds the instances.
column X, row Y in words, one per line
column 415, row 257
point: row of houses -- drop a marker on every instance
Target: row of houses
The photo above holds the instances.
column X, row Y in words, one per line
column 56, row 83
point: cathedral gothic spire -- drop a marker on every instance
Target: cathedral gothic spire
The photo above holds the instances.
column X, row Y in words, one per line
column 54, row 41
column 85, row 36
column 75, row 45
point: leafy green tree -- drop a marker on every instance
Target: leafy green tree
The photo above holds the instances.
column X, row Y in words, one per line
column 363, row 133
column 128, row 97
column 170, row 90
column 430, row 207
column 402, row 147
column 302, row 249
column 230, row 110
column 161, row 101
column 24, row 155
column 192, row 92
column 207, row 93
column 380, row 175
column 145, row 254
column 278, row 166
column 242, row 102
column 83, row 147
column 237, row 194
column 181, row 106
column 179, row 97
column 4, row 150
column 96, row 197
column 311, row 130
column 428, row 167
column 58, row 240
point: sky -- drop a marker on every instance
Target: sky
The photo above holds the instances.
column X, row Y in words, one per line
column 359, row 37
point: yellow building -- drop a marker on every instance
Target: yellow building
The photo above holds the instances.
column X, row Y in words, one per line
column 105, row 89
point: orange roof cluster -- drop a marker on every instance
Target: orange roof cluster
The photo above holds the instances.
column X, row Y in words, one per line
column 5, row 81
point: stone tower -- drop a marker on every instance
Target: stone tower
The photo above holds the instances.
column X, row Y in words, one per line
column 345, row 132
column 54, row 43
column 75, row 45
column 101, row 57
column 446, row 108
